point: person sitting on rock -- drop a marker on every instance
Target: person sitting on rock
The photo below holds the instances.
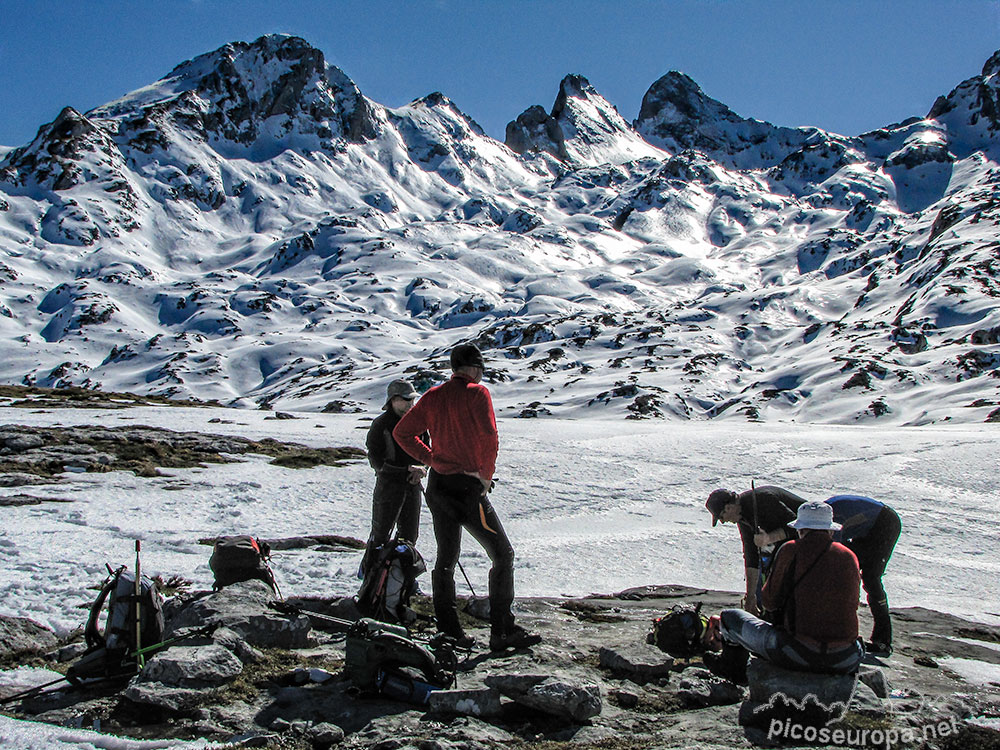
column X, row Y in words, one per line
column 870, row 530
column 812, row 594
column 762, row 516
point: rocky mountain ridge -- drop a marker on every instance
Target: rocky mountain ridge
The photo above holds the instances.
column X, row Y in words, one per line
column 252, row 229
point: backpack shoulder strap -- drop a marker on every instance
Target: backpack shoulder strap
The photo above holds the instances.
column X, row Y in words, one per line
column 92, row 633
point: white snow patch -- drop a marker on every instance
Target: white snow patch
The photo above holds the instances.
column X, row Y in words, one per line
column 973, row 671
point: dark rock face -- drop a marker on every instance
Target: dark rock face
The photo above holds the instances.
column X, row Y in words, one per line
column 536, row 130
column 677, row 115
column 19, row 635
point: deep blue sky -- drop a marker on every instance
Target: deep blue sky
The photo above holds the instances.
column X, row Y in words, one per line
column 846, row 66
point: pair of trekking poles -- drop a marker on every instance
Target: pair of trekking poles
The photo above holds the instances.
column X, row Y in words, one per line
column 140, row 655
column 138, row 652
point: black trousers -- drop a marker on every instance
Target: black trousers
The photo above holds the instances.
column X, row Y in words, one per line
column 873, row 551
column 457, row 502
column 395, row 502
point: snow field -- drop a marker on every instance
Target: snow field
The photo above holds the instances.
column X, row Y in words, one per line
column 590, row 506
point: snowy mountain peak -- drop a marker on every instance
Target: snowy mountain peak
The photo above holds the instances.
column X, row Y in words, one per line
column 992, row 65
column 583, row 129
column 573, row 86
column 971, row 112
column 252, row 229
column 677, row 115
column 275, row 89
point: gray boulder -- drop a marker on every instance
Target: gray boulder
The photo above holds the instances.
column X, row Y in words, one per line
column 639, row 662
column 875, row 678
column 550, row 695
column 806, row 698
column 325, row 734
column 228, row 639
column 624, row 698
column 164, row 697
column 865, row 701
column 242, row 608
column 193, row 666
column 699, row 688
column 21, row 635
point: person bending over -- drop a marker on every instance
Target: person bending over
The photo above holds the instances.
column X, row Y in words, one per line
column 762, row 517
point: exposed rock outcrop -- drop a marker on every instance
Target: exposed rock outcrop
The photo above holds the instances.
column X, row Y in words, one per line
column 569, row 688
column 677, row 115
column 50, row 451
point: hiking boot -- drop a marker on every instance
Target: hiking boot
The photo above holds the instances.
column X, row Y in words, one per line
column 729, row 664
column 459, row 638
column 516, row 637
column 875, row 648
column 463, row 642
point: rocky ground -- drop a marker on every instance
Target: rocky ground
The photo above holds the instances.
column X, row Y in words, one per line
column 267, row 679
column 33, row 455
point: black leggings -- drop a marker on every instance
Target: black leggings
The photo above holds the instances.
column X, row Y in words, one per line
column 457, row 501
column 873, row 551
column 395, row 502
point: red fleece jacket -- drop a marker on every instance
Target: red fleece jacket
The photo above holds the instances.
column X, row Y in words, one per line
column 826, row 599
column 459, row 417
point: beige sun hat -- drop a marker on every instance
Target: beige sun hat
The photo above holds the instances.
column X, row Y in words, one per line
column 815, row 514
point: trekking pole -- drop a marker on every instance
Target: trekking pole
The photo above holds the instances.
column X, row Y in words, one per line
column 467, row 581
column 30, row 692
column 138, row 609
column 205, row 631
column 287, row 608
column 756, row 525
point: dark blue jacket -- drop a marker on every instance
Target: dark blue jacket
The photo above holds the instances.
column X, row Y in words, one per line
column 856, row 513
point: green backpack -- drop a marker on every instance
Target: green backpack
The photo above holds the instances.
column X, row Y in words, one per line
column 383, row 659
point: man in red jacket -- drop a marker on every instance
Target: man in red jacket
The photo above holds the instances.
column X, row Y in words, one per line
column 814, row 587
column 462, row 455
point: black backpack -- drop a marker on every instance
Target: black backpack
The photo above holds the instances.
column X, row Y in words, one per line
column 390, row 582
column 241, row 558
column 382, row 659
column 679, row 631
column 112, row 652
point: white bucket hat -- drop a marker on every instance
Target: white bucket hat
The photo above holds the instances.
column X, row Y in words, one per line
column 816, row 514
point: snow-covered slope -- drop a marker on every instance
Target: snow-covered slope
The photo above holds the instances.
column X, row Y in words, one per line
column 253, row 229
